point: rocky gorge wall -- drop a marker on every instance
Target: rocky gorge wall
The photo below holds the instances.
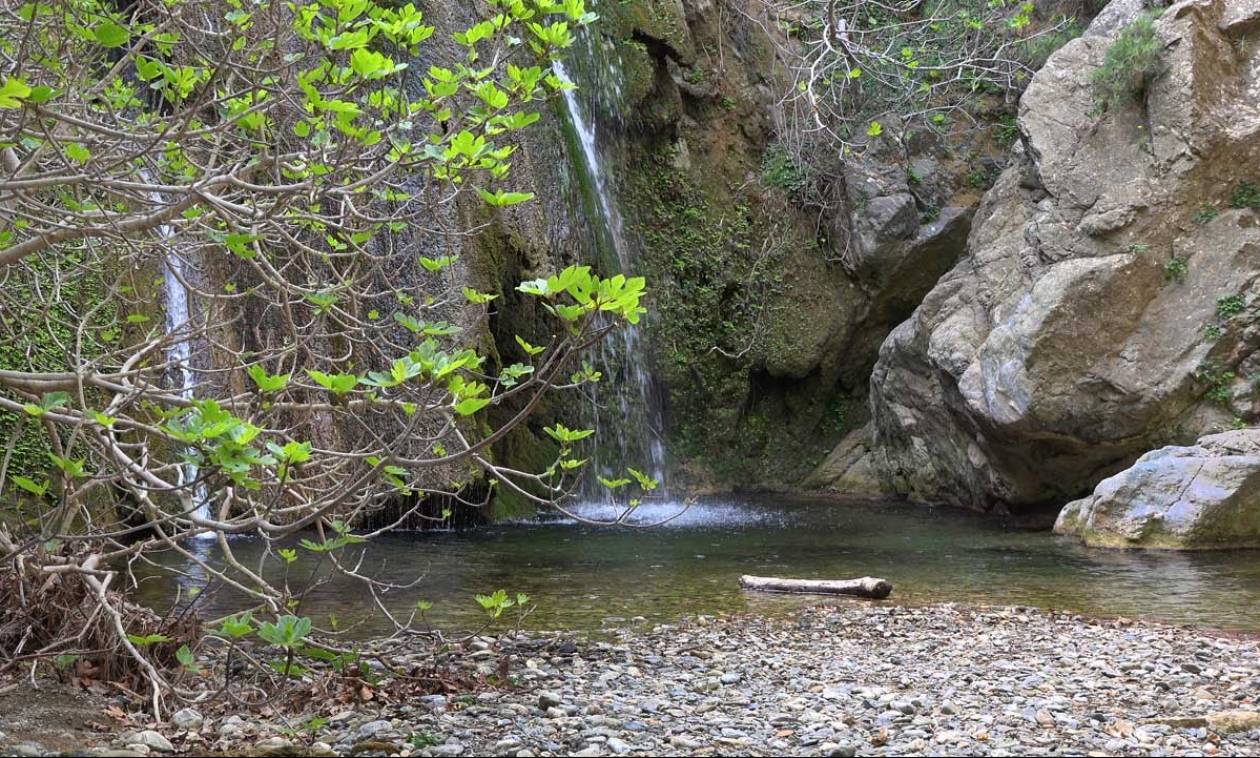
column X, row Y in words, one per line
column 998, row 350
column 766, row 313
column 915, row 338
column 1105, row 305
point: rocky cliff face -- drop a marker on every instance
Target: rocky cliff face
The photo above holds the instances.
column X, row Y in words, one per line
column 1105, row 303
column 767, row 313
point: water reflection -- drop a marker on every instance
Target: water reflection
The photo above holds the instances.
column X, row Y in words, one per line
column 580, row 575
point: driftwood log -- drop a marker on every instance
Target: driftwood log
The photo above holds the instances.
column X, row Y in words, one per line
column 867, row 586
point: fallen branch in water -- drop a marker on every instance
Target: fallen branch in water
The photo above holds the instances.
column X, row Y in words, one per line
column 867, row 586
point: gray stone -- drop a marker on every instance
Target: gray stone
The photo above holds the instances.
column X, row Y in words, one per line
column 1202, row 496
column 375, row 729
column 152, row 740
column 276, row 746
column 1057, row 350
column 188, row 719
column 548, row 700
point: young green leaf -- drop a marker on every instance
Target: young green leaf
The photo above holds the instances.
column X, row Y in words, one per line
column 110, row 34
column 477, row 298
column 528, row 348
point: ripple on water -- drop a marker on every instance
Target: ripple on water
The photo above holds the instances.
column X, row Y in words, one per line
column 579, row 575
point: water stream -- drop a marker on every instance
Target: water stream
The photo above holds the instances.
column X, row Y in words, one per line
column 628, row 419
column 588, row 578
column 178, row 319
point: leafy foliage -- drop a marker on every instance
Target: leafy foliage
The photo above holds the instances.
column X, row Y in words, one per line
column 1230, row 305
column 1131, row 62
column 1206, row 213
column 236, row 180
column 780, row 169
column 863, row 73
column 1245, row 195
column 1217, row 380
column 1176, row 269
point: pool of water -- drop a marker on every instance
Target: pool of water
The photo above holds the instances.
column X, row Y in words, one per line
column 587, row 577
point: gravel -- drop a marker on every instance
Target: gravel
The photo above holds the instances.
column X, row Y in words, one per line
column 856, row 679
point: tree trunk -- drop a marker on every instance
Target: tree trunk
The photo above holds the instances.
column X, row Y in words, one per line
column 867, row 586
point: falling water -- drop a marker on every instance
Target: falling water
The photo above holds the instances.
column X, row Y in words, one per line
column 178, row 317
column 627, row 424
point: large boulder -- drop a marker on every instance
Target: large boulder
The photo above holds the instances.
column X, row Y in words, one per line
column 849, row 468
column 1201, row 496
column 1102, row 308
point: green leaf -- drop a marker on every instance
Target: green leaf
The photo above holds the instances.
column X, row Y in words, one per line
column 13, row 92
column 323, row 301
column 528, row 348
column 287, row 668
column 186, row 659
column 78, row 153
column 477, row 298
column 71, row 467
column 413, row 324
column 437, row 264
column 441, row 329
column 495, row 604
column 645, row 481
column 503, row 199
column 267, row 383
column 242, row 245
column 875, row 129
column 338, row 384
column 42, row 94
column 287, row 631
column 148, row 639
column 110, row 34
column 236, row 626
column 562, row 433
column 510, row 375
column 469, row 406
column 30, row 485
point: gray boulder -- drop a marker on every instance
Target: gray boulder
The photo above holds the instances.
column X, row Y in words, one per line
column 1063, row 345
column 1202, row 496
column 848, row 468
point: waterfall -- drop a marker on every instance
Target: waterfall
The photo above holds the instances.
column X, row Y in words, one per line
column 178, row 316
column 628, row 421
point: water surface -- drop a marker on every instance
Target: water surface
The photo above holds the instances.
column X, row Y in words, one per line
column 588, row 577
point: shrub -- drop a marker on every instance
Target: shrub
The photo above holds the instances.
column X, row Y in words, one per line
column 780, row 169
column 1130, row 64
column 1217, row 378
column 1176, row 269
column 1007, row 131
column 1246, row 195
column 1230, row 305
column 1206, row 213
column 980, row 179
